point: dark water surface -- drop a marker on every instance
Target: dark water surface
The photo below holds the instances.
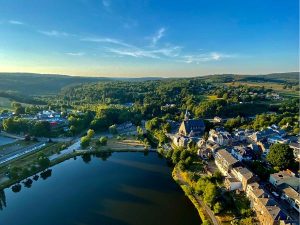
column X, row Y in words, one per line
column 125, row 189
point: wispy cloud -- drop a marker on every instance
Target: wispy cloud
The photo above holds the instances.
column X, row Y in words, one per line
column 75, row 53
column 15, row 22
column 147, row 53
column 55, row 33
column 205, row 57
column 137, row 53
column 158, row 35
column 107, row 40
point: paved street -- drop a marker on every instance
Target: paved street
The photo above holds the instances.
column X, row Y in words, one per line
column 70, row 149
column 21, row 152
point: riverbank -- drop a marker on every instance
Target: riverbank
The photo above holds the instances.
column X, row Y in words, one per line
column 206, row 215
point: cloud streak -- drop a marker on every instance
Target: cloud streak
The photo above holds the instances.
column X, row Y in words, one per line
column 206, row 57
column 159, row 34
column 15, row 22
column 75, row 53
column 107, row 40
column 55, row 33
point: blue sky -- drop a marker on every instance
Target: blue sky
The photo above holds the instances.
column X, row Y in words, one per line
column 149, row 37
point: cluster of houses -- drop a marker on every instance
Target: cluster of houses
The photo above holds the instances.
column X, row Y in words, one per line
column 229, row 150
column 55, row 119
column 268, row 211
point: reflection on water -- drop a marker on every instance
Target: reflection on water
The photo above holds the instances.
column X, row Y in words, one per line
column 2, row 199
column 118, row 189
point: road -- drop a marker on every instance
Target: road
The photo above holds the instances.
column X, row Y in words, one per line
column 70, row 149
column 202, row 204
column 21, row 152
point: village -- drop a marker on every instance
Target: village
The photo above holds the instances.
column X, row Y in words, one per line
column 275, row 201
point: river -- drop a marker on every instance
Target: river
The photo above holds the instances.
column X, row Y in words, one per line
column 120, row 189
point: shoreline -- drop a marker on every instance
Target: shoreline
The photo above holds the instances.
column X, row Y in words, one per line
column 10, row 182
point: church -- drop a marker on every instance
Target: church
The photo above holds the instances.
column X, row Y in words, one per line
column 191, row 127
column 190, row 130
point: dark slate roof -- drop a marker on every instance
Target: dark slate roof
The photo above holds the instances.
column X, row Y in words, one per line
column 191, row 124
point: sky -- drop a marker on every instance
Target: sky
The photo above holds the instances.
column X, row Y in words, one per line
column 138, row 38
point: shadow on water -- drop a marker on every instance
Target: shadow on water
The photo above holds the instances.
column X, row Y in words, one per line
column 2, row 200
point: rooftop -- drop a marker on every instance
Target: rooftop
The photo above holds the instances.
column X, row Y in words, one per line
column 227, row 156
column 291, row 193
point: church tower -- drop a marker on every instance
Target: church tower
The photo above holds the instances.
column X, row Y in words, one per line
column 187, row 115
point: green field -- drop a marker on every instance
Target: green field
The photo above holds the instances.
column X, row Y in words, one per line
column 5, row 103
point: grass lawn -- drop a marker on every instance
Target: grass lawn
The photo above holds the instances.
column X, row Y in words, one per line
column 274, row 86
column 128, row 143
column 213, row 97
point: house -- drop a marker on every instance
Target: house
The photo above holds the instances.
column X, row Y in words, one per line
column 284, row 177
column 191, row 127
column 296, row 149
column 264, row 146
column 206, row 149
column 239, row 135
column 180, row 141
column 276, row 139
column 244, row 175
column 292, row 197
column 232, row 184
column 225, row 161
column 220, row 137
column 218, row 119
column 242, row 153
column 267, row 211
column 267, row 133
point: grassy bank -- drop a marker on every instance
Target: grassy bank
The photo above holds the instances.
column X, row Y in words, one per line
column 189, row 193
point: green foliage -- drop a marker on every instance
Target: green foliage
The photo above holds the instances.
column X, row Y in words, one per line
column 281, row 155
column 218, row 207
column 43, row 161
column 34, row 128
column 210, row 193
column 103, row 140
column 113, row 129
column 85, row 141
column 90, row 133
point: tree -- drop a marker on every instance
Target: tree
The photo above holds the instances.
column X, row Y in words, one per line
column 210, row 193
column 113, row 129
column 280, row 155
column 218, row 207
column 85, row 141
column 90, row 133
column 41, row 129
column 103, row 140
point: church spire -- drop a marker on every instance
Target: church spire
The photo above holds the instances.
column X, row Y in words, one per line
column 187, row 115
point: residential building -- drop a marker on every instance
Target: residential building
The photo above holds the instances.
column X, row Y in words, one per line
column 267, row 211
column 218, row 119
column 244, row 175
column 232, row 184
column 284, row 177
column 292, row 197
column 225, row 161
column 220, row 137
column 242, row 153
column 296, row 150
